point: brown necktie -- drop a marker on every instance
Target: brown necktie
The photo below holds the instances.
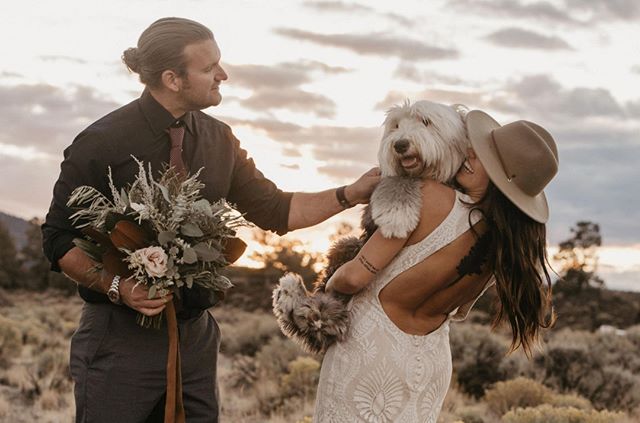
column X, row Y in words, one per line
column 176, row 133
column 174, row 405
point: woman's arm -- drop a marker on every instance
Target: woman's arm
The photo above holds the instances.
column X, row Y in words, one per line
column 356, row 274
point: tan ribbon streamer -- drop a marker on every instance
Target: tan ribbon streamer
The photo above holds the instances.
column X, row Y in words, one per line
column 173, row 407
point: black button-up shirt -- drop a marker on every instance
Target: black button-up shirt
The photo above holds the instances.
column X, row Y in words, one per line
column 140, row 129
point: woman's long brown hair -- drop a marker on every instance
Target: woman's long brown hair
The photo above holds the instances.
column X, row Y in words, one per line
column 519, row 262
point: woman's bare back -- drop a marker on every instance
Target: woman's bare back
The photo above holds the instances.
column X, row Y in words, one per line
column 420, row 299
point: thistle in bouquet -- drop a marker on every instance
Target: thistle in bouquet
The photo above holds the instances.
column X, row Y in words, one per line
column 160, row 232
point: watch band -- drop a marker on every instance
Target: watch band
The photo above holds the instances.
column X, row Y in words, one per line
column 342, row 199
column 114, row 290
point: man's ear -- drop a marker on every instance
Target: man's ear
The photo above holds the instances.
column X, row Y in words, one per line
column 171, row 81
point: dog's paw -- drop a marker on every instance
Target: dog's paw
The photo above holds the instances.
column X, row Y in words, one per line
column 395, row 206
column 320, row 321
column 288, row 294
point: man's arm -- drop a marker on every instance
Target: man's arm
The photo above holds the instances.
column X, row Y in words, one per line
column 308, row 209
column 78, row 267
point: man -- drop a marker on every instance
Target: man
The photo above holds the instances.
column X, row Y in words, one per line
column 119, row 367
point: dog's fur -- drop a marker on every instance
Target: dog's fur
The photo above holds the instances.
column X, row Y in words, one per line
column 423, row 140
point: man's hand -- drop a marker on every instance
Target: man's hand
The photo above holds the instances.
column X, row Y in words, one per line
column 360, row 191
column 138, row 298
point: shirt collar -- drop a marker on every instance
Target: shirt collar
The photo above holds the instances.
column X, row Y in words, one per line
column 160, row 118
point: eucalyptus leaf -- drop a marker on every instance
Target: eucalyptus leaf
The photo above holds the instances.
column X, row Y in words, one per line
column 223, row 283
column 189, row 256
column 124, row 197
column 165, row 237
column 164, row 190
column 203, row 206
column 206, row 253
column 191, row 229
column 152, row 291
column 189, row 281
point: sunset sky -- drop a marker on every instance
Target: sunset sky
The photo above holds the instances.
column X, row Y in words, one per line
column 309, row 83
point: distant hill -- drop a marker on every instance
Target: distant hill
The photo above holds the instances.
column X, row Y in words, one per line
column 17, row 227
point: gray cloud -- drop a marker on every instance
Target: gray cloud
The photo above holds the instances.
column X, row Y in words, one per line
column 336, row 6
column 593, row 184
column 291, row 166
column 342, row 7
column 570, row 12
column 341, row 172
column 521, row 38
column 260, row 76
column 471, row 99
column 377, row 44
column 54, row 58
column 46, row 117
column 509, row 8
column 352, row 146
column 607, row 9
column 9, row 74
column 411, row 72
column 546, row 96
column 291, row 99
column 278, row 86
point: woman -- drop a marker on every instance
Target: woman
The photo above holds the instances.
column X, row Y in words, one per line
column 395, row 365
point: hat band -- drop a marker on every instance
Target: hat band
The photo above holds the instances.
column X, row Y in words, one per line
column 505, row 169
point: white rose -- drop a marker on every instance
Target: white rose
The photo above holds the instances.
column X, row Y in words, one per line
column 154, row 260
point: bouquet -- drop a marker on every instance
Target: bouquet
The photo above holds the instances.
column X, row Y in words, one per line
column 159, row 232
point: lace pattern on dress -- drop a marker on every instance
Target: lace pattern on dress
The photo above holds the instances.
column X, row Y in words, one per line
column 380, row 374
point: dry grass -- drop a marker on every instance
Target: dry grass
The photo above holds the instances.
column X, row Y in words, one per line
column 263, row 377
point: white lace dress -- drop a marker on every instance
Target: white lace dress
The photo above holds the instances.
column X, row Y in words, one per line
column 380, row 373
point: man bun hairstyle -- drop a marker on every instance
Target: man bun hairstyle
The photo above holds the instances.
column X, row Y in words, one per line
column 161, row 47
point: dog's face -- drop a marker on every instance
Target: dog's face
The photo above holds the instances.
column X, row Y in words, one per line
column 423, row 139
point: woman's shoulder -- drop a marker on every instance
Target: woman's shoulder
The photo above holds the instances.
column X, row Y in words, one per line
column 437, row 196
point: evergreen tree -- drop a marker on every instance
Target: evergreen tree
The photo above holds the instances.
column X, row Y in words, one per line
column 9, row 263
column 286, row 255
column 34, row 263
column 578, row 256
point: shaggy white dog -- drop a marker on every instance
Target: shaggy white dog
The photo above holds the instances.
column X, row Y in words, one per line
column 423, row 140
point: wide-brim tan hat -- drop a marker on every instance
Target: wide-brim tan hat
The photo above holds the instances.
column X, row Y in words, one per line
column 520, row 159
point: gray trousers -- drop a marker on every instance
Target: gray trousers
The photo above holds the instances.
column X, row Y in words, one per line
column 119, row 368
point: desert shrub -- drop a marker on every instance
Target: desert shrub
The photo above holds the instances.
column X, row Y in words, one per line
column 471, row 414
column 275, row 356
column 548, row 414
column 581, row 370
column 51, row 400
column 616, row 350
column 5, row 407
column 519, row 392
column 243, row 373
column 10, row 341
column 569, row 368
column 570, row 400
column 248, row 335
column 518, row 365
column 620, row 390
column 477, row 356
column 48, row 372
column 302, row 378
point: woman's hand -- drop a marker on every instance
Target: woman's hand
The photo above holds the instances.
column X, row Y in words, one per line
column 137, row 298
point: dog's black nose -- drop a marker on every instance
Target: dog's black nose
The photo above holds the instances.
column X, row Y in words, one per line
column 401, row 146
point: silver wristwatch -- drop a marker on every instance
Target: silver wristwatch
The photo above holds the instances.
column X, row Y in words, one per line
column 114, row 290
